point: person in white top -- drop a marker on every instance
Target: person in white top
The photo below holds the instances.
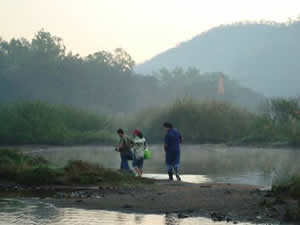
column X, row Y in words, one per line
column 138, row 151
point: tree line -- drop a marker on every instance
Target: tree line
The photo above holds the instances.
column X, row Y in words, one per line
column 42, row 69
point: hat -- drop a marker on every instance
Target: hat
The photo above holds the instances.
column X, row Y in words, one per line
column 136, row 132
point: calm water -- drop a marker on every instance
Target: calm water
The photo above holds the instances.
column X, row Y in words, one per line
column 205, row 163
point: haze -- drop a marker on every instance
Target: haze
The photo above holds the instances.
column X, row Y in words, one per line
column 142, row 28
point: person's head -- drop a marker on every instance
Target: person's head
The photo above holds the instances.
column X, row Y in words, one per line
column 120, row 132
column 167, row 126
column 137, row 133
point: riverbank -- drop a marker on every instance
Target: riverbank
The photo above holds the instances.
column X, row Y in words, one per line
column 32, row 170
column 86, row 185
column 220, row 202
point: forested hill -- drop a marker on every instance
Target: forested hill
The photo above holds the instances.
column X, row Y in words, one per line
column 41, row 69
column 263, row 56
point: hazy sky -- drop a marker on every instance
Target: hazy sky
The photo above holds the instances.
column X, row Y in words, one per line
column 142, row 27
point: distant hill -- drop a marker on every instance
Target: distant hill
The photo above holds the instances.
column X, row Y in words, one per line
column 261, row 56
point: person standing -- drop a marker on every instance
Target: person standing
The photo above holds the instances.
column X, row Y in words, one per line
column 124, row 148
column 138, row 151
column 172, row 149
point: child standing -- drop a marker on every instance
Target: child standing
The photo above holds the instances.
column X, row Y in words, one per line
column 138, row 151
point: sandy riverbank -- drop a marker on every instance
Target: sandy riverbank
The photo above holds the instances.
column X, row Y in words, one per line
column 218, row 201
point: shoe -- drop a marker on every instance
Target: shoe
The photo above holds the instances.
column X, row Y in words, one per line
column 178, row 177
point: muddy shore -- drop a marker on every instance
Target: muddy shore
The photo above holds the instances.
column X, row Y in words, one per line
column 220, row 202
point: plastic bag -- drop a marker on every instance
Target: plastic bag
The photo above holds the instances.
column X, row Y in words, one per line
column 147, row 153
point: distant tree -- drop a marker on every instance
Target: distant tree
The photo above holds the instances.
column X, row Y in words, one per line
column 47, row 47
column 104, row 81
column 123, row 60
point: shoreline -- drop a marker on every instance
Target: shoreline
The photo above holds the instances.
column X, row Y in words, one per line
column 275, row 145
column 84, row 185
column 220, row 202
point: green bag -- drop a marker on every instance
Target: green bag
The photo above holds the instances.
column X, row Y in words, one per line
column 147, row 154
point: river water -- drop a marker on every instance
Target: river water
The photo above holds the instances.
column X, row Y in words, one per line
column 199, row 164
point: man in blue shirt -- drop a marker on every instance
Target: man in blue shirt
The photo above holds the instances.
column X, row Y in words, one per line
column 172, row 149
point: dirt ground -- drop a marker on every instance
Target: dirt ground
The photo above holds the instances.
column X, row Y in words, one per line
column 222, row 201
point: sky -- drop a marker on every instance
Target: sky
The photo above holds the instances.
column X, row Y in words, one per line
column 143, row 28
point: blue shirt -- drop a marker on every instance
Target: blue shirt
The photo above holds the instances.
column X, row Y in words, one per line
column 173, row 140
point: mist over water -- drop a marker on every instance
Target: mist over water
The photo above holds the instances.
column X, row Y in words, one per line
column 220, row 163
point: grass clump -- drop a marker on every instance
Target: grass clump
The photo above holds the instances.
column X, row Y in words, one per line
column 290, row 187
column 13, row 162
column 24, row 169
column 78, row 171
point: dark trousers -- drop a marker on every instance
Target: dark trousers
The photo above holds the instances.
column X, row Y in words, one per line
column 124, row 162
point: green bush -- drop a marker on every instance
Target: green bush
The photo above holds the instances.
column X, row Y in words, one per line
column 41, row 123
column 15, row 165
column 279, row 122
column 289, row 187
column 198, row 121
column 12, row 162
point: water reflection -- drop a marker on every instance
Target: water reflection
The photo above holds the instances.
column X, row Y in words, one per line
column 15, row 211
column 186, row 177
column 49, row 215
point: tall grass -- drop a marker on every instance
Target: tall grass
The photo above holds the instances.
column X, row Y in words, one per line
column 206, row 121
column 42, row 123
column 199, row 122
column 215, row 121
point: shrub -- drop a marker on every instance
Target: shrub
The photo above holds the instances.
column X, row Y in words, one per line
column 42, row 123
column 290, row 187
column 13, row 161
column 199, row 122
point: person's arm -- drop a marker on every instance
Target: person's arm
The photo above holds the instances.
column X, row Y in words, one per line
column 122, row 144
column 139, row 140
column 180, row 138
column 119, row 147
column 130, row 142
column 166, row 143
